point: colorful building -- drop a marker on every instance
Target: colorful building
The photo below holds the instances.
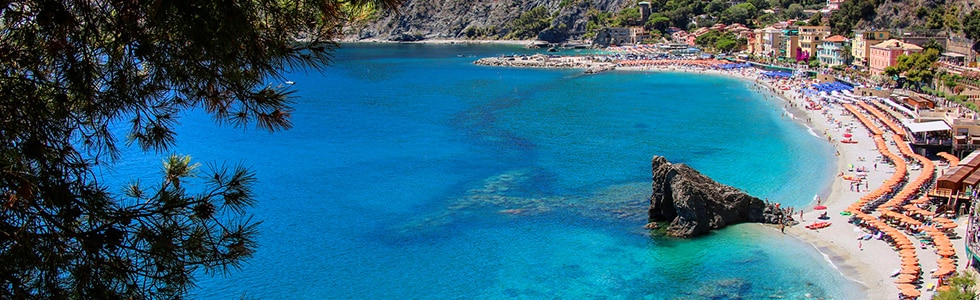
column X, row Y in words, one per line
column 831, row 51
column 885, row 54
column 862, row 42
column 811, row 37
column 770, row 43
column 791, row 47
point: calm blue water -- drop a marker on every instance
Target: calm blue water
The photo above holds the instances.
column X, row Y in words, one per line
column 412, row 173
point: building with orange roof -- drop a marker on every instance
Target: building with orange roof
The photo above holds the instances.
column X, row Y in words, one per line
column 831, row 51
column 885, row 54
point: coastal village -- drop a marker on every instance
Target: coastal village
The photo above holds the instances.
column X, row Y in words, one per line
column 899, row 107
column 905, row 201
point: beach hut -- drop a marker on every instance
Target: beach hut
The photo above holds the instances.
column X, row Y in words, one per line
column 952, row 181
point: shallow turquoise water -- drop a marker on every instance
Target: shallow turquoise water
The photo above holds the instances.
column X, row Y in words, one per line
column 412, row 173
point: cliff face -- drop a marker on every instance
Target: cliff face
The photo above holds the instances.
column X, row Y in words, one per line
column 451, row 19
column 893, row 14
column 694, row 204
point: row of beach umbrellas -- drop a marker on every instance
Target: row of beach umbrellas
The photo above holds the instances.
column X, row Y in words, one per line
column 831, row 87
column 881, row 116
column 892, row 209
column 952, row 159
column 783, row 74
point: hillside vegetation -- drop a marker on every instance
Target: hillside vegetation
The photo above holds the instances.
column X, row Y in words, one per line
column 561, row 20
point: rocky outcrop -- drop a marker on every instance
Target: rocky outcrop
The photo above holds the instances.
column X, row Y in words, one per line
column 694, row 204
column 461, row 19
column 590, row 65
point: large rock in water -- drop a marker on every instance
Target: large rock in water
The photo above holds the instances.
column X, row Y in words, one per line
column 695, row 204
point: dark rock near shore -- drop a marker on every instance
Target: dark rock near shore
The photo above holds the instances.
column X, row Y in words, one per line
column 694, row 204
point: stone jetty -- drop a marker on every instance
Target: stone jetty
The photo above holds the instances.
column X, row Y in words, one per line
column 590, row 64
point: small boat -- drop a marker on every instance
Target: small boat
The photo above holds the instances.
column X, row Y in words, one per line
column 818, row 225
column 849, row 141
column 290, row 82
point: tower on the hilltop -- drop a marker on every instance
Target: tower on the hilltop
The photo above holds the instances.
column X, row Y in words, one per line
column 644, row 11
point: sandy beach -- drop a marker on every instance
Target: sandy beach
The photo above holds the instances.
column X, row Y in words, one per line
column 869, row 262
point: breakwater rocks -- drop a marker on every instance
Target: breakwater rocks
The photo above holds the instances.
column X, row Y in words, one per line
column 590, row 64
column 694, row 204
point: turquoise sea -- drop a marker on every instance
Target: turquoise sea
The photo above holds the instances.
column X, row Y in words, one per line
column 413, row 174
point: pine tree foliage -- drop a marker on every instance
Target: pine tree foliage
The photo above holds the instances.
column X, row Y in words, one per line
column 71, row 72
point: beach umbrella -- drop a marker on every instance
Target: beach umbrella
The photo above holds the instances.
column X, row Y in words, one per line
column 911, row 292
column 946, row 252
column 942, row 272
column 906, row 278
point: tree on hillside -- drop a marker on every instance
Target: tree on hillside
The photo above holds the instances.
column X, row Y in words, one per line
column 843, row 20
column 933, row 44
column 680, row 17
column 75, row 73
column 815, row 20
column 658, row 22
column 760, row 4
column 530, row 23
column 918, row 68
column 739, row 13
column 951, row 19
column 715, row 7
column 971, row 27
column 627, row 17
column 794, row 11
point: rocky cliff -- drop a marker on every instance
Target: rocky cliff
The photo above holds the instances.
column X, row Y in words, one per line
column 489, row 19
column 694, row 204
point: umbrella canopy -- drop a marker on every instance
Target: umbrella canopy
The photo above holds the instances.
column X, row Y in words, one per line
column 946, row 260
column 904, row 280
column 911, row 292
column 820, row 207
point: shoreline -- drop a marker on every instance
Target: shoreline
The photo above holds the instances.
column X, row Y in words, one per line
column 868, row 263
column 865, row 266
